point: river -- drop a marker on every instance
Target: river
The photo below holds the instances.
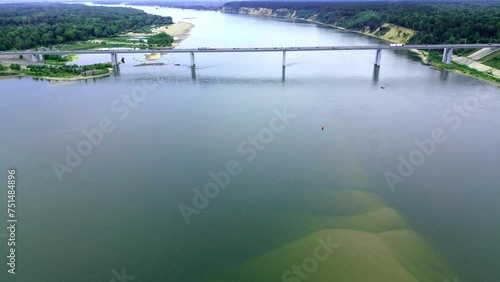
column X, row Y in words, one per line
column 157, row 132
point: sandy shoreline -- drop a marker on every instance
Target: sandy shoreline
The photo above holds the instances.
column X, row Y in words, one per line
column 176, row 30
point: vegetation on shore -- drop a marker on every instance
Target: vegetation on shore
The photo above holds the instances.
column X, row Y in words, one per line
column 157, row 40
column 11, row 70
column 434, row 59
column 457, row 22
column 91, row 45
column 160, row 40
column 25, row 26
column 57, row 71
column 58, row 59
column 492, row 60
column 401, row 22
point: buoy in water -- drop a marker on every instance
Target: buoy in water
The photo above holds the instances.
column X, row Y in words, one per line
column 322, row 127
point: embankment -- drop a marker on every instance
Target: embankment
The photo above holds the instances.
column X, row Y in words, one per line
column 388, row 32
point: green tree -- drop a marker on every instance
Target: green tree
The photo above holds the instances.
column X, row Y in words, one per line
column 161, row 39
column 15, row 67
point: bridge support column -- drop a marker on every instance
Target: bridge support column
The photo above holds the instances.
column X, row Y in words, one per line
column 447, row 54
column 114, row 59
column 284, row 59
column 193, row 73
column 378, row 56
column 116, row 70
column 40, row 57
column 192, row 59
column 34, row 58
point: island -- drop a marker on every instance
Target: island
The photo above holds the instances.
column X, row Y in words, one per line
column 55, row 26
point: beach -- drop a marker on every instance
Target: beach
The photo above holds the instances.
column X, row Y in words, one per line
column 176, row 30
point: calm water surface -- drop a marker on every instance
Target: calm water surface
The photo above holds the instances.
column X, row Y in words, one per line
column 119, row 207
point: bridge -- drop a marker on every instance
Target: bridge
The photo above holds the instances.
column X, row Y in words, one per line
column 447, row 50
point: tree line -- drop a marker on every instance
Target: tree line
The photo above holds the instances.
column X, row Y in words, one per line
column 26, row 26
column 438, row 22
column 161, row 39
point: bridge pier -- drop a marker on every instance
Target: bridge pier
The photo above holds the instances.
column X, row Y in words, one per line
column 40, row 57
column 376, row 72
column 114, row 59
column 34, row 58
column 193, row 73
column 447, row 54
column 378, row 56
column 192, row 59
column 284, row 59
column 116, row 70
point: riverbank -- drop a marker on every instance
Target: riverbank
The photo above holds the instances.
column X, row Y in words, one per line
column 176, row 30
column 128, row 40
column 59, row 72
column 391, row 33
column 61, row 60
column 425, row 56
column 76, row 78
column 55, row 79
column 179, row 30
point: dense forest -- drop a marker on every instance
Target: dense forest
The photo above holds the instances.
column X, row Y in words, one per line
column 438, row 22
column 25, row 26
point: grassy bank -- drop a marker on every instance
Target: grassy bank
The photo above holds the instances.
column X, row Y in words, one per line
column 59, row 72
column 388, row 32
column 434, row 59
column 59, row 60
column 492, row 60
column 92, row 45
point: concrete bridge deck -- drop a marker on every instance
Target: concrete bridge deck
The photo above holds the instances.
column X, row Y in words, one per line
column 257, row 49
column 447, row 50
